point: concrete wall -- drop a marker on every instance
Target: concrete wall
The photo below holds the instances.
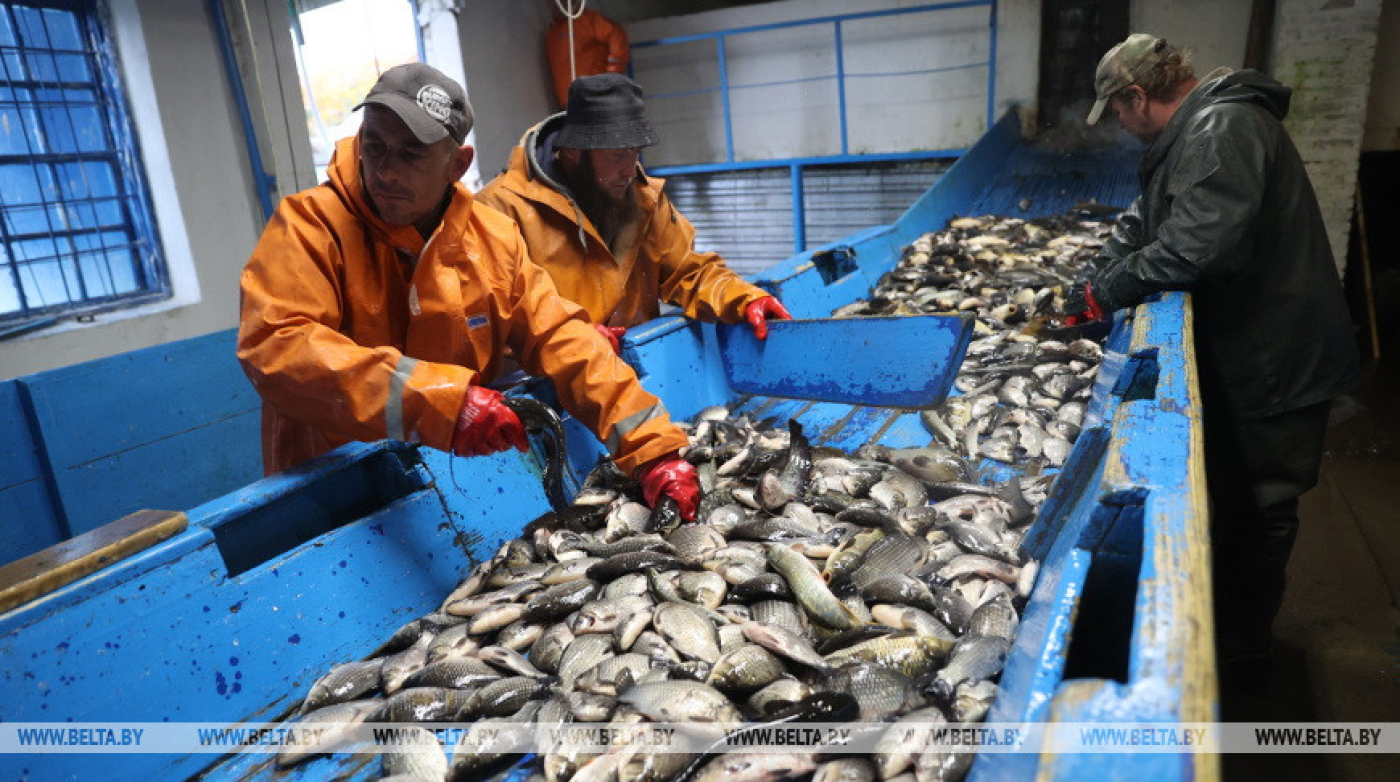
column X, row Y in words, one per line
column 1325, row 50
column 1383, row 107
column 205, row 202
column 507, row 77
column 1214, row 33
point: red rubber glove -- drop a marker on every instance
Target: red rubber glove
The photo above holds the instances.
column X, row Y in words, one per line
column 1081, row 306
column 759, row 310
column 676, row 478
column 485, row 425
column 613, row 334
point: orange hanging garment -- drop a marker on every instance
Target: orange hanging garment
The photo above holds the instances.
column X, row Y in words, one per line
column 600, row 46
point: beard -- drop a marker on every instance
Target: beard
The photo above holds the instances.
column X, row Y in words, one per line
column 608, row 214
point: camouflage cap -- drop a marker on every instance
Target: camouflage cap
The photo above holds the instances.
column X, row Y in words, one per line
column 1124, row 64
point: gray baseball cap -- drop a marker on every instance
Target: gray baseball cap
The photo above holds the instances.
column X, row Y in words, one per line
column 1124, row 64
column 433, row 106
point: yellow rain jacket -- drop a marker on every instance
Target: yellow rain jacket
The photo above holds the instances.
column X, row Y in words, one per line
column 354, row 329
column 653, row 259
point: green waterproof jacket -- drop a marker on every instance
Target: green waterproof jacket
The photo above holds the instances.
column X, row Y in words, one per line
column 1227, row 213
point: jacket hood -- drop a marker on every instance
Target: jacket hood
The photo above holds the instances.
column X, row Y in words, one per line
column 538, row 145
column 1243, row 87
column 539, row 153
column 1218, row 88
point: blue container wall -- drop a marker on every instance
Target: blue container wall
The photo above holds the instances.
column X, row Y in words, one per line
column 168, row 427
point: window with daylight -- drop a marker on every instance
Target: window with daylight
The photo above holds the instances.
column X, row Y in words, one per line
column 341, row 47
column 75, row 217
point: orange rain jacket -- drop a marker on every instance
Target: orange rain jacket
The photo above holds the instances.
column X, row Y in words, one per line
column 345, row 338
column 600, row 46
column 652, row 259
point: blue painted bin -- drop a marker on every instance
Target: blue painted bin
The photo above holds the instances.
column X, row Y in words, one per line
column 231, row 621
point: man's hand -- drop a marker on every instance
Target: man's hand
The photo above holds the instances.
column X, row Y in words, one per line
column 674, row 477
column 759, row 311
column 485, row 425
column 613, row 334
column 1080, row 305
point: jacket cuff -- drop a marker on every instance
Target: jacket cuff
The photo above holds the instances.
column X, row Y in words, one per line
column 750, row 296
column 432, row 398
column 651, row 441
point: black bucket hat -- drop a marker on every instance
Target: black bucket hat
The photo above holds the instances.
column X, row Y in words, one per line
column 605, row 112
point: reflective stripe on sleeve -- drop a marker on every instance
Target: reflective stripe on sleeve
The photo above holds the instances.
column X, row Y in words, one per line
column 393, row 409
column 629, row 424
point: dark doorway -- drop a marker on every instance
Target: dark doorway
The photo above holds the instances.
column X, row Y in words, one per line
column 1074, row 34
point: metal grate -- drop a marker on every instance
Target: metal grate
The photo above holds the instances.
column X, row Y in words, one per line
column 746, row 216
column 75, row 220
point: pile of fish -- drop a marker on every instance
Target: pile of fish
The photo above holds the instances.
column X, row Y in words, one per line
column 1006, row 271
column 1022, row 395
column 880, row 586
column 872, row 586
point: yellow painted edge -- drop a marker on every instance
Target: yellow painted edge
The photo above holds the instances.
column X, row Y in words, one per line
column 1195, row 621
column 63, row 563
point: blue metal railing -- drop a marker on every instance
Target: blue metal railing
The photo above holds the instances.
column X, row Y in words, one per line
column 840, row 76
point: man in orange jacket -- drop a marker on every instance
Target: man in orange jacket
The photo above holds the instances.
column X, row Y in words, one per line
column 605, row 231
column 380, row 303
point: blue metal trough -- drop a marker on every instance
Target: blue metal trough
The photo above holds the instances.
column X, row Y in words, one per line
column 260, row 586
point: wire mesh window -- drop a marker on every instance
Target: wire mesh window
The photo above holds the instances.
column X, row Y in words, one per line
column 75, row 219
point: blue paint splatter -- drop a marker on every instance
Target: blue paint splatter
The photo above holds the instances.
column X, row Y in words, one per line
column 220, row 684
column 237, row 675
column 62, row 646
column 207, row 609
column 342, row 614
column 294, row 639
column 342, row 563
column 233, row 661
column 237, row 688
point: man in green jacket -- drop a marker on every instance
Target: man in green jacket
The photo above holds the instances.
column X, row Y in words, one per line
column 1227, row 213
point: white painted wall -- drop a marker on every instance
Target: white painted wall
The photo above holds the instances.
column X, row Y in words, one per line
column 945, row 109
column 192, row 143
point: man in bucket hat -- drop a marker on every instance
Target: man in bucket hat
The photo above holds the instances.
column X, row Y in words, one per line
column 1227, row 213
column 606, row 233
column 382, row 302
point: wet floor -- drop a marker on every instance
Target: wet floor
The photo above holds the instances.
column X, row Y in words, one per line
column 1337, row 639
